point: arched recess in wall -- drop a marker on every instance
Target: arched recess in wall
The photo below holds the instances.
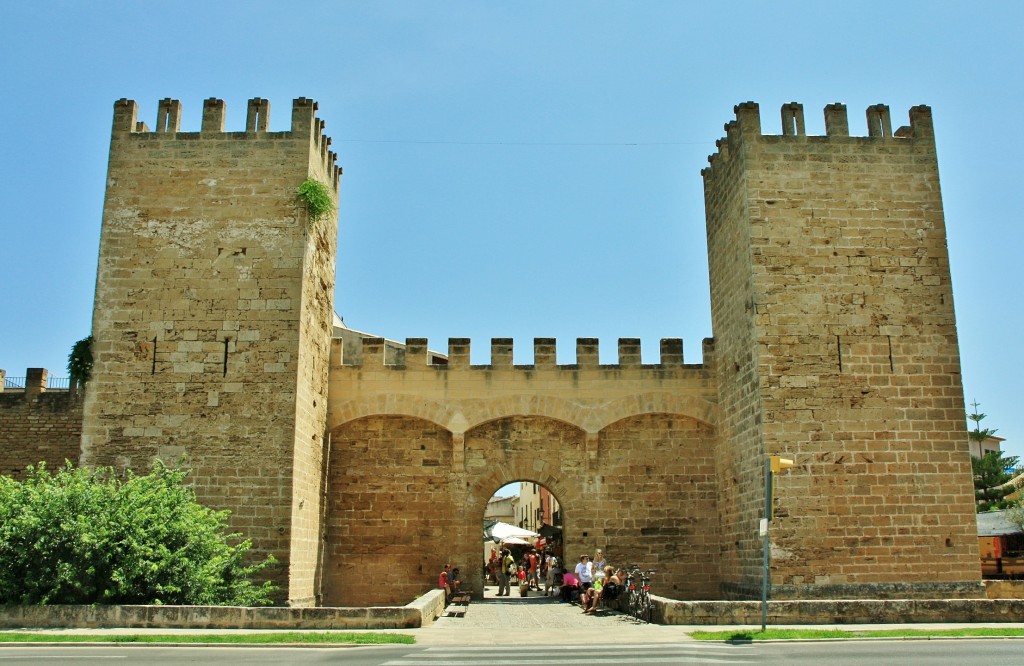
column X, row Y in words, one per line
column 693, row 407
column 392, row 506
column 659, row 507
column 391, row 404
column 467, row 414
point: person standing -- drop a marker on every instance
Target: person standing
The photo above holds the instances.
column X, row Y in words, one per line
column 442, row 583
column 504, row 565
column 533, row 571
column 549, row 577
column 598, row 565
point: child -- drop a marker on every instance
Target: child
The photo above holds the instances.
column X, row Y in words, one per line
column 524, row 586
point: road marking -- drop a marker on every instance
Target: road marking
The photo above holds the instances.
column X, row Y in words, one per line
column 638, row 659
column 574, row 654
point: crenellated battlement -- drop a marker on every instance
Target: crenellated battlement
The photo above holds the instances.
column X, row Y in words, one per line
column 747, row 127
column 376, row 352
column 305, row 125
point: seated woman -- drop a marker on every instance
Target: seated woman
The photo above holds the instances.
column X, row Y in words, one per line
column 609, row 590
column 569, row 586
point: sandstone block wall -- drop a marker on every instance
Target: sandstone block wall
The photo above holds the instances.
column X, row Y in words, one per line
column 37, row 425
column 835, row 345
column 418, row 448
column 212, row 319
column 847, row 323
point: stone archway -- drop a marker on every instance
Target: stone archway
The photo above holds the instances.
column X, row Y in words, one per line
column 538, row 449
column 406, row 495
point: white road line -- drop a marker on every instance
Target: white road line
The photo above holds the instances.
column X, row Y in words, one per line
column 674, row 659
column 594, row 647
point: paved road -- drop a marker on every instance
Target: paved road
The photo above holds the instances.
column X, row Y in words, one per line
column 960, row 652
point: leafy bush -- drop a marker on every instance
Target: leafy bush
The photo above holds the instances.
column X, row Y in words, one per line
column 88, row 537
column 317, row 199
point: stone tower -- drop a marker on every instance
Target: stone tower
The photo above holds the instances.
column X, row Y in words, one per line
column 212, row 320
column 834, row 329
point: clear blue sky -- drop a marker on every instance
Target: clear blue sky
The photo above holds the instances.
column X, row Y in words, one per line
column 526, row 169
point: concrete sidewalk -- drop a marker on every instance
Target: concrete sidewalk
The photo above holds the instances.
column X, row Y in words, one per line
column 538, row 620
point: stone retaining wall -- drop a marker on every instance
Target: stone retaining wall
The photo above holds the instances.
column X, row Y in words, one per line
column 420, row 612
column 1004, row 589
column 858, row 611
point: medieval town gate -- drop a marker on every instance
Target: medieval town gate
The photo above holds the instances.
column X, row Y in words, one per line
column 363, row 465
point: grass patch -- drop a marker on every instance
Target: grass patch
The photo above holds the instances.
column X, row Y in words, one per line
column 784, row 634
column 292, row 637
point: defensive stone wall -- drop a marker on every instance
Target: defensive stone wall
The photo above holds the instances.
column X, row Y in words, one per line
column 37, row 425
column 364, row 465
column 212, row 318
column 833, row 314
column 418, row 448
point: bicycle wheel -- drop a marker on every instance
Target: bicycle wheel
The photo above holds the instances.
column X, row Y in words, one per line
column 647, row 608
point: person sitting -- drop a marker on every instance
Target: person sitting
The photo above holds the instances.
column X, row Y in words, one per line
column 454, row 582
column 610, row 589
column 584, row 574
column 570, row 586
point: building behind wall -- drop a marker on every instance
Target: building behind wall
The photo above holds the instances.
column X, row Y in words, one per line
column 835, row 345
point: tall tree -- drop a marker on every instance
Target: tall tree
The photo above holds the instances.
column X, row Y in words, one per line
column 991, row 470
column 978, row 435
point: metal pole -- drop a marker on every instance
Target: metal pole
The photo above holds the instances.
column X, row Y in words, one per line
column 768, row 522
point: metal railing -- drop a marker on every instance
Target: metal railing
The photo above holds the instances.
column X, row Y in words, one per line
column 52, row 383
column 58, row 383
column 14, row 383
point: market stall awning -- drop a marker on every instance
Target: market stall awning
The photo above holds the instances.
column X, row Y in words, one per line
column 503, row 532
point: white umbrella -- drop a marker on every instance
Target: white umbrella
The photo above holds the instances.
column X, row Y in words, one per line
column 515, row 540
column 503, row 532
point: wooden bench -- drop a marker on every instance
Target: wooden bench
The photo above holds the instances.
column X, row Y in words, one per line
column 459, row 604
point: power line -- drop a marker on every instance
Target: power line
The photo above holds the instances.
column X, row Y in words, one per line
column 528, row 143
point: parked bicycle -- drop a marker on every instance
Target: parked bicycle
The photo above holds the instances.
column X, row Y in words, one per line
column 644, row 605
column 632, row 574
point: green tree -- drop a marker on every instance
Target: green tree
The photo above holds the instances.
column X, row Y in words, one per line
column 978, row 435
column 991, row 470
column 89, row 537
column 991, row 474
column 80, row 362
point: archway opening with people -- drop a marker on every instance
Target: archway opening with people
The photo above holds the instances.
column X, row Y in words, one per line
column 523, row 545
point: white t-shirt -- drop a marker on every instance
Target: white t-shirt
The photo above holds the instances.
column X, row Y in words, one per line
column 584, row 572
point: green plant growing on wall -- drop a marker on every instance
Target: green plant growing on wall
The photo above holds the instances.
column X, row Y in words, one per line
column 80, row 362
column 315, row 196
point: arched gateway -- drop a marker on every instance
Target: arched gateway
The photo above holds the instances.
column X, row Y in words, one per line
column 627, row 449
column 363, row 465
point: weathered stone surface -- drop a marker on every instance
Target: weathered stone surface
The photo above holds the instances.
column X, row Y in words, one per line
column 364, row 465
column 40, row 427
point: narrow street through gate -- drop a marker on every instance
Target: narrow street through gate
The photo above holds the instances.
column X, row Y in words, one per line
column 538, row 620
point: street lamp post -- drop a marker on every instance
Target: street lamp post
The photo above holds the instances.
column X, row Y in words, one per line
column 772, row 466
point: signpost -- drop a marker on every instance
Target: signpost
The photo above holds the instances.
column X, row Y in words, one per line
column 772, row 465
